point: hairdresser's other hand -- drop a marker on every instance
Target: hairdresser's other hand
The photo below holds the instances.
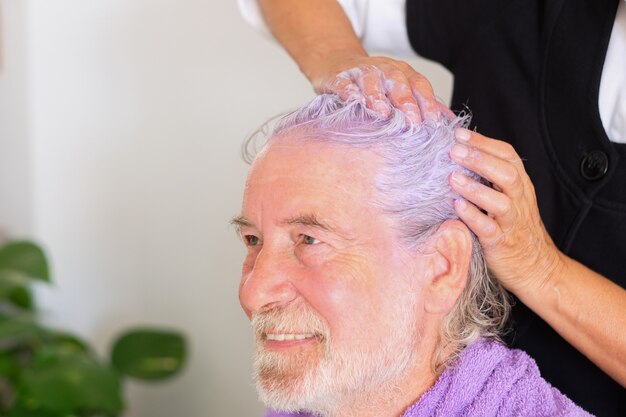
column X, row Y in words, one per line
column 517, row 247
column 382, row 82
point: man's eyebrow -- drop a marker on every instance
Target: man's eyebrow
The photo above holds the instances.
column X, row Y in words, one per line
column 310, row 220
column 240, row 221
column 313, row 221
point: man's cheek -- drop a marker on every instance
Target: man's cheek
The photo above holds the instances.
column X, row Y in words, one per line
column 339, row 291
column 336, row 280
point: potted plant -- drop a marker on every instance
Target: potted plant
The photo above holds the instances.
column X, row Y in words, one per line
column 50, row 373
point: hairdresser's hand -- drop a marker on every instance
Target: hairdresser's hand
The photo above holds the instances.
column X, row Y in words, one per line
column 585, row 308
column 517, row 247
column 381, row 82
column 319, row 37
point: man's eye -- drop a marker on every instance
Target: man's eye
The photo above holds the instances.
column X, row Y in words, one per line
column 251, row 240
column 309, row 240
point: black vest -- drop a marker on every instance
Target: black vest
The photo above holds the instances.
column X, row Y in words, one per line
column 530, row 73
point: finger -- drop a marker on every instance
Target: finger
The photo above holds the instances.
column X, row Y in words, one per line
column 344, row 87
column 483, row 226
column 498, row 171
column 371, row 85
column 496, row 204
column 499, row 148
column 423, row 92
column 401, row 96
column 449, row 114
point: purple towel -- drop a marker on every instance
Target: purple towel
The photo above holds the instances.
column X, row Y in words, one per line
column 488, row 379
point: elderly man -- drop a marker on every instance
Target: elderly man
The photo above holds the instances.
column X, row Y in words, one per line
column 367, row 295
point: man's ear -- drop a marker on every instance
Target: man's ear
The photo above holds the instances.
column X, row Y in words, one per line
column 450, row 252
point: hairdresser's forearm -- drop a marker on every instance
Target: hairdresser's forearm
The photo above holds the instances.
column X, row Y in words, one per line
column 312, row 32
column 587, row 310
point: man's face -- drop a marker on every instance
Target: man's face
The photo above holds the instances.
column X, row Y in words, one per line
column 331, row 294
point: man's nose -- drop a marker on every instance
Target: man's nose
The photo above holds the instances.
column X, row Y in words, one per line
column 268, row 284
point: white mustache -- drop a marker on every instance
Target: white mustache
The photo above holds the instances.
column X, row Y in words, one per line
column 300, row 319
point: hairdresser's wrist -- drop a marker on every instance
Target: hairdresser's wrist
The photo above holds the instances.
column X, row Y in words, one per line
column 319, row 63
column 537, row 290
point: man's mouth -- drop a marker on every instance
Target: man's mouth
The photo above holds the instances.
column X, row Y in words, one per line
column 288, row 336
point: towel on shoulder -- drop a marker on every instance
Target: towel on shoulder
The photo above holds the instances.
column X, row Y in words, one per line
column 488, row 380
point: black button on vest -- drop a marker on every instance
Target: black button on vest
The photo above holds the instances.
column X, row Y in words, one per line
column 594, row 165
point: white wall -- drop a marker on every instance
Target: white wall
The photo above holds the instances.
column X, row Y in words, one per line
column 15, row 161
column 130, row 119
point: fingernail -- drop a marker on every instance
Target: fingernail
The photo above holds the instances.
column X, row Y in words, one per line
column 431, row 116
column 459, row 179
column 459, row 151
column 412, row 112
column 462, row 134
column 460, row 204
column 379, row 106
column 355, row 96
column 352, row 93
column 414, row 117
column 447, row 112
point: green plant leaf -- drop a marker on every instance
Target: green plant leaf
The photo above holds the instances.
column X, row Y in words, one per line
column 22, row 297
column 19, row 410
column 70, row 343
column 10, row 279
column 25, row 257
column 9, row 366
column 71, row 384
column 149, row 354
column 17, row 332
column 14, row 289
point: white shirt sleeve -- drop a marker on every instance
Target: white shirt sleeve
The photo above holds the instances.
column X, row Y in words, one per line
column 251, row 13
column 379, row 24
column 612, row 96
column 384, row 30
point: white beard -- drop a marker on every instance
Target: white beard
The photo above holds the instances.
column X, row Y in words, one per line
column 331, row 377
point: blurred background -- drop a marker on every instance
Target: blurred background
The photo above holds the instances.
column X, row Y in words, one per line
column 121, row 123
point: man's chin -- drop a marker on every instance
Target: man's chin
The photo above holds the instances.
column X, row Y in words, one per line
column 284, row 393
column 285, row 382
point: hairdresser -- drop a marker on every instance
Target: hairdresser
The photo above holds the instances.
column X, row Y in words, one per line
column 547, row 78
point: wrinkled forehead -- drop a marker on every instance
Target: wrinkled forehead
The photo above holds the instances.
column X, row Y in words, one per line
column 293, row 174
column 316, row 161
